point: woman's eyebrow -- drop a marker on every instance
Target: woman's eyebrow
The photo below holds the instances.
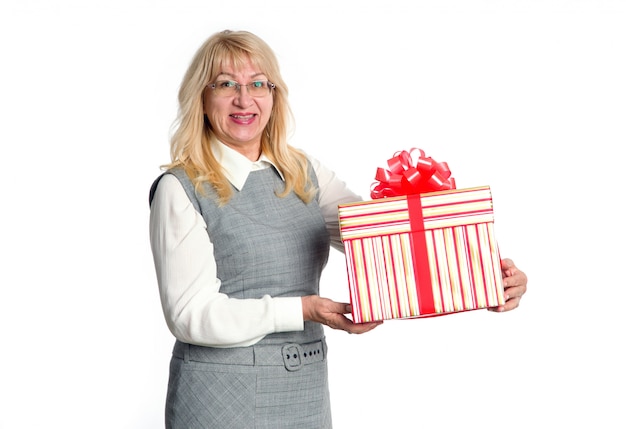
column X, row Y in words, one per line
column 232, row 77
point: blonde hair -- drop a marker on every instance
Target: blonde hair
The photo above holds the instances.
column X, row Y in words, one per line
column 190, row 141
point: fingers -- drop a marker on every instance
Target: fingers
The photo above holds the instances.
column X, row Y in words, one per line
column 513, row 278
column 514, row 282
column 512, row 297
column 510, row 304
column 361, row 328
column 508, row 267
column 506, row 263
column 332, row 314
column 355, row 328
column 339, row 321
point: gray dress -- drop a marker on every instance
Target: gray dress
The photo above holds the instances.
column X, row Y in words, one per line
column 264, row 245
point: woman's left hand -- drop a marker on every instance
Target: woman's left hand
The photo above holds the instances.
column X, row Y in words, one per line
column 514, row 281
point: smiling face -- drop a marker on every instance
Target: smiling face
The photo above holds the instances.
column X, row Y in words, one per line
column 238, row 120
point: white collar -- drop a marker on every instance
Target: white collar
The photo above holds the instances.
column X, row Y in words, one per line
column 236, row 166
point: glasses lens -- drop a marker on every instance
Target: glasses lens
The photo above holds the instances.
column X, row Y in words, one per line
column 258, row 88
column 226, row 88
column 254, row 87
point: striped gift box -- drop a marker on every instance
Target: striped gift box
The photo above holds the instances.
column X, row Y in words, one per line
column 421, row 255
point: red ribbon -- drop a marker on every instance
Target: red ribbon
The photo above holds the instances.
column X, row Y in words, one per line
column 407, row 175
column 419, row 254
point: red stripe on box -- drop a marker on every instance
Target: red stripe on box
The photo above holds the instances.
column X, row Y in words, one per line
column 420, row 256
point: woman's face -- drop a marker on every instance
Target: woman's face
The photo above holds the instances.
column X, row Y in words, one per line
column 238, row 120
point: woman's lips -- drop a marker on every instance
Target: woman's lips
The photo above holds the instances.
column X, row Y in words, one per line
column 243, row 118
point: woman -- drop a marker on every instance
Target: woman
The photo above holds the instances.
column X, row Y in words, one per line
column 240, row 228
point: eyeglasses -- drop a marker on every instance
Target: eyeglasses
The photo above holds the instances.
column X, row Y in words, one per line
column 230, row 88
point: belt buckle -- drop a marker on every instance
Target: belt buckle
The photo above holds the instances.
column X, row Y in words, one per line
column 293, row 356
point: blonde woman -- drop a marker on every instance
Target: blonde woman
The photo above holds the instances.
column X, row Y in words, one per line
column 240, row 230
column 241, row 225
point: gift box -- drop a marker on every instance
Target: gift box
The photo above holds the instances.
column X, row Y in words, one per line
column 421, row 255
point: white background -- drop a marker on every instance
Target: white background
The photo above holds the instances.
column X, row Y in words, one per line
column 528, row 97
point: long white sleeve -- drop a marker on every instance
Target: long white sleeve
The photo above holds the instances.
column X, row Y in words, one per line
column 195, row 311
column 333, row 192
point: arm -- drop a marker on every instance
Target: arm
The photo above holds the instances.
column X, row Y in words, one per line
column 194, row 309
column 333, row 191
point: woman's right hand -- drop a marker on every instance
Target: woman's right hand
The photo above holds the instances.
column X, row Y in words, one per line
column 331, row 313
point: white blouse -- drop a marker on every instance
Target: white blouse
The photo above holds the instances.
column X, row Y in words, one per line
column 195, row 311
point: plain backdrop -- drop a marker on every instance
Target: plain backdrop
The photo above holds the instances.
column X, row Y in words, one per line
column 528, row 97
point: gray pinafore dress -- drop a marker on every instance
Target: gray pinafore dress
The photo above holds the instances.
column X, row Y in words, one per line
column 264, row 245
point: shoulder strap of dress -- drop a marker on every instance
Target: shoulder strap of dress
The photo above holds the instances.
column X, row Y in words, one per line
column 154, row 187
column 184, row 180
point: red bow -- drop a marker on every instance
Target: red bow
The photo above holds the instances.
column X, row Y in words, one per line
column 407, row 176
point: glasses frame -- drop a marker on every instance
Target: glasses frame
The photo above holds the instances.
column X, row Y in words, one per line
column 270, row 85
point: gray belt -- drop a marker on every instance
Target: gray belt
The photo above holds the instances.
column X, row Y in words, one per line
column 290, row 355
